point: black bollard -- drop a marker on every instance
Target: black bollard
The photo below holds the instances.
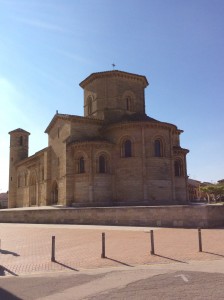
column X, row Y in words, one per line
column 103, row 246
column 199, row 240
column 152, row 242
column 53, row 249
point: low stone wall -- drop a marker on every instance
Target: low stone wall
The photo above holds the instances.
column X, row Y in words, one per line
column 206, row 216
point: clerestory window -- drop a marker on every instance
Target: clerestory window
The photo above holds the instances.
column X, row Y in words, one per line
column 127, row 148
column 81, row 166
column 128, row 103
column 178, row 168
column 21, row 141
column 102, row 164
column 158, row 148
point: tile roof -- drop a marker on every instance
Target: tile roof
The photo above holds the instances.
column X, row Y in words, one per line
column 19, row 130
column 71, row 118
column 115, row 73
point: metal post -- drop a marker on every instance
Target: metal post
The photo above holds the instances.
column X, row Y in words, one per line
column 199, row 239
column 103, row 246
column 53, row 249
column 152, row 242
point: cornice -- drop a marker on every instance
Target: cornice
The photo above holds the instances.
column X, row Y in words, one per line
column 19, row 131
column 100, row 143
column 114, row 73
column 72, row 118
column 33, row 157
column 178, row 150
column 132, row 124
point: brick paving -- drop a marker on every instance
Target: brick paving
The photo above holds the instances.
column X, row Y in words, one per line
column 26, row 248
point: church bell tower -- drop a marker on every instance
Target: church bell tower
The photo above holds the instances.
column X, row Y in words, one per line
column 19, row 146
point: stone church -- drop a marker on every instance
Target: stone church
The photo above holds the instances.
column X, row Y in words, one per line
column 114, row 155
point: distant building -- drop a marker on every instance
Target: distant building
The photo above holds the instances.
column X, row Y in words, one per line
column 221, row 181
column 204, row 183
column 194, row 189
column 3, row 200
column 114, row 155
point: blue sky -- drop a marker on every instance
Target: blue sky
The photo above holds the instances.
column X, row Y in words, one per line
column 47, row 47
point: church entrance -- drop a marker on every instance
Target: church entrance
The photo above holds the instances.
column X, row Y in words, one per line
column 54, row 193
column 33, row 190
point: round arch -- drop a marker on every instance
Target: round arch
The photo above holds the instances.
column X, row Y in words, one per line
column 178, row 167
column 81, row 162
column 128, row 100
column 102, row 160
column 127, row 146
column 158, row 146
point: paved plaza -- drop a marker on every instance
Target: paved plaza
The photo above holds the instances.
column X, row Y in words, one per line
column 26, row 248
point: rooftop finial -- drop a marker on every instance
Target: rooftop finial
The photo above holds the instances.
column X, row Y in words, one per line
column 56, row 112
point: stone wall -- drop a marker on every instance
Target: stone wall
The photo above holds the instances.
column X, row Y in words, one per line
column 207, row 216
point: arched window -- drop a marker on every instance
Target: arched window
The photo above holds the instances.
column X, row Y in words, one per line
column 81, row 166
column 89, row 105
column 21, row 141
column 128, row 103
column 127, row 148
column 158, row 148
column 178, row 168
column 102, row 164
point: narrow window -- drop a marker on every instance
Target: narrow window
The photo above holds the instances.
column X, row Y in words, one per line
column 157, row 147
column 21, row 140
column 128, row 103
column 102, row 164
column 178, row 168
column 81, row 165
column 127, row 148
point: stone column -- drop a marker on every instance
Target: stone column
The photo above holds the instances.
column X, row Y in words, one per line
column 91, row 179
column 144, row 171
column 171, row 167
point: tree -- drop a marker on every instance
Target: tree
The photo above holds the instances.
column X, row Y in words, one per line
column 213, row 191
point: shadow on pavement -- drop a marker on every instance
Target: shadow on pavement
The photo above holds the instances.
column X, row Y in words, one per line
column 65, row 266
column 176, row 260
column 8, row 252
column 118, row 261
column 2, row 273
column 7, row 295
column 213, row 253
